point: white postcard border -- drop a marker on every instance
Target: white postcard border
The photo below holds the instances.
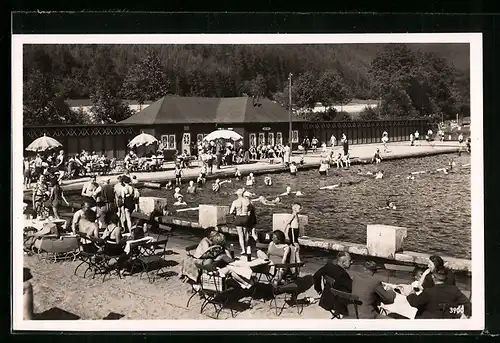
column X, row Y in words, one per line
column 476, row 322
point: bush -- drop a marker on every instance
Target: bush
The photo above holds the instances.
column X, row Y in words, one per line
column 368, row 113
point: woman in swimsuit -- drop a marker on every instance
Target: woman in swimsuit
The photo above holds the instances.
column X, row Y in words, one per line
column 56, row 196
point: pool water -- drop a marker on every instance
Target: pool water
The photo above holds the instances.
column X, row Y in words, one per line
column 436, row 208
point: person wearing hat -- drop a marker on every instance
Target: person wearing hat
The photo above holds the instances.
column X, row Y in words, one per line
column 241, row 208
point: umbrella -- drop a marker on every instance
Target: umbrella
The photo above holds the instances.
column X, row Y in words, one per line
column 224, row 134
column 43, row 143
column 142, row 139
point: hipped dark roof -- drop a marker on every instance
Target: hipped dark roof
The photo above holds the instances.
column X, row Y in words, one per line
column 192, row 110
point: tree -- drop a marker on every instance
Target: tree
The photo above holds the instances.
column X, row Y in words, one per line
column 331, row 89
column 146, row 80
column 304, row 91
column 107, row 108
column 41, row 106
column 256, row 87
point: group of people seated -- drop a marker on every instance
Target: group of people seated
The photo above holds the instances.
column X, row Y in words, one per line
column 430, row 289
column 149, row 162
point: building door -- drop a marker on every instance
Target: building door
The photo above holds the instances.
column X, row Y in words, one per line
column 279, row 138
column 262, row 138
column 270, row 138
column 186, row 142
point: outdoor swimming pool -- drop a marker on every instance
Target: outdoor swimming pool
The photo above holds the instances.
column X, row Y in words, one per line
column 436, row 208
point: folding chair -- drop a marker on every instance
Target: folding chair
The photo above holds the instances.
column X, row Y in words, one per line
column 155, row 252
column 348, row 299
column 393, row 268
column 288, row 286
column 91, row 259
column 214, row 291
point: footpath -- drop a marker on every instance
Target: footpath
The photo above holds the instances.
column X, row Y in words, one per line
column 359, row 154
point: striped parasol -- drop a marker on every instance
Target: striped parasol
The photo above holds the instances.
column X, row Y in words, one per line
column 142, row 139
column 43, row 143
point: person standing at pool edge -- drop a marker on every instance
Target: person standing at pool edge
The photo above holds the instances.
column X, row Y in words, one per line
column 241, row 209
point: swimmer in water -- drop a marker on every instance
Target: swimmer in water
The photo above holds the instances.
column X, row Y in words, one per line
column 177, row 193
column 451, row 164
column 268, row 181
column 237, row 174
column 379, row 175
column 248, row 194
column 180, row 201
column 298, row 193
column 191, row 188
column 331, row 187
column 266, row 202
column 410, row 177
column 376, row 157
column 444, row 170
column 293, row 168
column 216, row 185
column 389, row 205
column 250, row 180
column 287, row 192
column 169, row 185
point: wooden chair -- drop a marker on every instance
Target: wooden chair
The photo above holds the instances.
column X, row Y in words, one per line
column 393, row 268
column 328, row 283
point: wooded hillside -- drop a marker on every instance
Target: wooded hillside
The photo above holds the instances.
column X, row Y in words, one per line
column 411, row 80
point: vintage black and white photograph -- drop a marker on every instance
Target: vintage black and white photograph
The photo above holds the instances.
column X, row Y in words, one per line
column 267, row 180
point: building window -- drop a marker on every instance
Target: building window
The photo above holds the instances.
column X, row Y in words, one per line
column 253, row 139
column 168, row 142
column 262, row 138
column 295, row 136
column 270, row 138
column 279, row 138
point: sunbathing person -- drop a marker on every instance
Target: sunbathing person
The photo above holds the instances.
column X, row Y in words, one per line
column 211, row 251
column 88, row 226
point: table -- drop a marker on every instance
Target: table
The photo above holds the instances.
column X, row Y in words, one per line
column 244, row 269
column 400, row 306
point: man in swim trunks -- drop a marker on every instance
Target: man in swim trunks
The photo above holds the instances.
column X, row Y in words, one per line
column 241, row 209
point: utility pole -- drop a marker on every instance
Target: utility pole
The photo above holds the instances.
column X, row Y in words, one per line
column 290, row 109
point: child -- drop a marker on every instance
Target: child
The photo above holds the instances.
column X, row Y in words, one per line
column 338, row 160
column 180, row 201
column 323, row 148
column 192, row 188
column 268, row 181
column 177, row 193
column 178, row 175
column 347, row 161
column 292, row 230
column 250, row 180
column 203, row 171
column 271, row 155
column 200, row 180
column 169, row 185
column 293, row 168
column 237, row 174
column 323, row 168
column 385, row 139
column 376, row 157
column 412, row 139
